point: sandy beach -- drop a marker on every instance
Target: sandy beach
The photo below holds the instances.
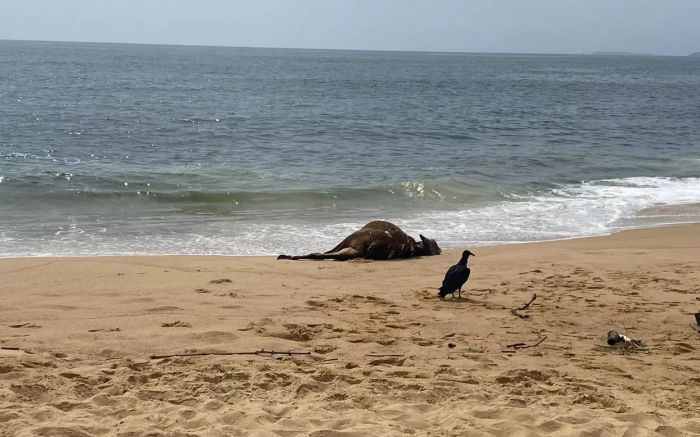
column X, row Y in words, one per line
column 379, row 353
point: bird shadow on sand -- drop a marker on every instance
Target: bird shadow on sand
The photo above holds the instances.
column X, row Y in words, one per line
column 473, row 303
column 458, row 300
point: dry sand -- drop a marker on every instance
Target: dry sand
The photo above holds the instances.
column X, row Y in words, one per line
column 87, row 326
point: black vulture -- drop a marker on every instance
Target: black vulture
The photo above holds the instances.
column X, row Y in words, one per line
column 455, row 277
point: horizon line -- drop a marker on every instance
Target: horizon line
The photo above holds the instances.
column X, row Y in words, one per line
column 593, row 53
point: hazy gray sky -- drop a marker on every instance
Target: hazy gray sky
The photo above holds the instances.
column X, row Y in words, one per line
column 543, row 26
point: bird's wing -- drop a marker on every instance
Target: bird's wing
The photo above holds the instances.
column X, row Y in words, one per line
column 464, row 276
column 450, row 274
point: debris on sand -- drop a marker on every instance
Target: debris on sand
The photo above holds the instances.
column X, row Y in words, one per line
column 625, row 343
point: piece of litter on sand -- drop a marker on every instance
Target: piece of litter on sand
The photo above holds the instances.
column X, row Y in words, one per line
column 625, row 343
column 615, row 338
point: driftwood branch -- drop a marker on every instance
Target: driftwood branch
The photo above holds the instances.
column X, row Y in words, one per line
column 527, row 305
column 515, row 346
column 384, row 355
column 523, row 307
column 200, row 354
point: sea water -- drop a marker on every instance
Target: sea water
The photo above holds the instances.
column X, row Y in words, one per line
column 144, row 149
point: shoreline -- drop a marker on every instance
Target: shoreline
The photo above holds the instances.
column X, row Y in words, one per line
column 586, row 209
column 445, row 250
column 385, row 356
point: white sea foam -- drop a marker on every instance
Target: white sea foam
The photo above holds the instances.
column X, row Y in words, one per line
column 590, row 208
column 586, row 209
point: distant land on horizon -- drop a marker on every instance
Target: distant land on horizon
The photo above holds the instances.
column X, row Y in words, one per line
column 622, row 54
column 695, row 54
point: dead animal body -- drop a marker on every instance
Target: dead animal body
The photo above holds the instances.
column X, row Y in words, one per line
column 377, row 240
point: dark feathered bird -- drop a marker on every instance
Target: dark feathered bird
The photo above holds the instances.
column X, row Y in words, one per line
column 455, row 277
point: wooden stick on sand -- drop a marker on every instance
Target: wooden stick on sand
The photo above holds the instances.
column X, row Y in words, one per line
column 515, row 346
column 523, row 307
column 200, row 354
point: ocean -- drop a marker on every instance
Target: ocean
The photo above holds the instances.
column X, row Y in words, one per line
column 113, row 149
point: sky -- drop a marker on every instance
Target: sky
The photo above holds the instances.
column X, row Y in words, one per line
column 667, row 27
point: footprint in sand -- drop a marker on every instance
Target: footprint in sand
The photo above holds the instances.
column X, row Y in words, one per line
column 314, row 304
column 289, row 331
column 550, row 426
column 368, row 299
column 29, row 391
column 422, row 341
column 389, row 361
column 138, row 300
column 258, row 326
column 296, row 332
column 214, row 336
column 176, row 324
column 530, row 271
column 25, row 325
column 683, row 348
column 58, row 307
column 163, row 309
column 324, row 349
column 385, row 341
column 377, row 316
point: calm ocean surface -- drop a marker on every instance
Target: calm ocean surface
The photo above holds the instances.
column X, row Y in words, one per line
column 138, row 149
